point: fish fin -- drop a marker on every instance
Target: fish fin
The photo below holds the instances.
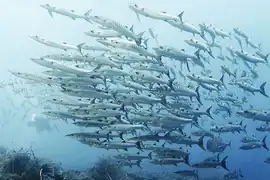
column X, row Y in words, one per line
column 139, row 163
column 264, row 143
column 181, row 16
column 223, row 163
column 200, row 143
column 150, row 155
column 79, row 46
column 50, row 12
column 139, row 38
column 208, row 112
column 198, row 95
column 132, row 28
column 262, row 89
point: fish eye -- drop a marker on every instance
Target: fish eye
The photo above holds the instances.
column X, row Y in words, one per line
column 136, row 5
column 92, row 31
column 245, row 111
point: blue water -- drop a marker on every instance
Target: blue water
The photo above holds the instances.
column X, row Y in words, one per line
column 19, row 19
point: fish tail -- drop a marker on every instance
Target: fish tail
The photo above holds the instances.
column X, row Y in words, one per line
column 150, row 155
column 266, row 58
column 171, row 83
column 200, row 143
column 188, row 66
column 145, row 42
column 245, row 129
column 211, row 54
column 186, row 159
column 224, row 164
column 262, row 89
column 198, row 97
column 139, row 38
column 79, row 46
column 235, row 73
column 264, row 143
column 163, row 100
column 222, row 80
column 139, row 163
column 230, row 145
column 138, row 145
column 88, row 12
column 181, row 16
column 122, row 108
column 208, row 112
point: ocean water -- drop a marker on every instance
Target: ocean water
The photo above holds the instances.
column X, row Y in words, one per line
column 19, row 19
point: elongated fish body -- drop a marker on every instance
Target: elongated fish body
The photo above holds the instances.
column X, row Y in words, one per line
column 241, row 33
column 254, row 114
column 251, row 44
column 64, row 12
column 184, row 26
column 124, row 127
column 263, row 55
column 227, row 70
column 255, row 145
column 263, row 128
column 95, row 48
column 211, row 164
column 251, row 58
column 247, row 87
column 200, row 46
column 207, row 80
column 209, row 29
column 168, row 161
column 68, row 102
column 151, row 14
column 209, row 87
column 228, row 128
column 64, row 46
column 40, row 40
column 221, row 33
column 109, row 23
column 64, row 57
column 103, row 33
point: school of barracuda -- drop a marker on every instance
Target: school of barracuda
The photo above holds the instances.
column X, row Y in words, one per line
column 131, row 96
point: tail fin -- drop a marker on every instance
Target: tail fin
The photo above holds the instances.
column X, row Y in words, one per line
column 163, row 100
column 198, row 95
column 222, row 80
column 171, row 83
column 139, row 38
column 264, row 143
column 150, row 155
column 209, row 113
column 211, row 54
column 245, row 129
column 88, row 12
column 230, row 145
column 223, row 163
column 262, row 90
column 234, row 73
column 181, row 16
column 79, row 46
column 138, row 145
column 266, row 58
column 186, row 159
column 139, row 163
column 200, row 143
column 145, row 42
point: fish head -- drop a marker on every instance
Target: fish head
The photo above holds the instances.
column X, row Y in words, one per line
column 47, row 6
column 133, row 6
column 36, row 38
column 189, row 41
